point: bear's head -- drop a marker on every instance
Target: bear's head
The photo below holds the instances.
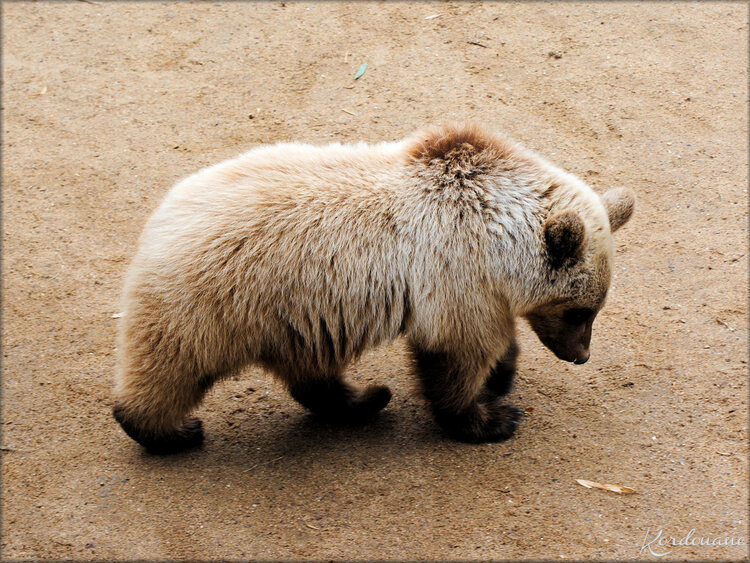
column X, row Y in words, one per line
column 577, row 268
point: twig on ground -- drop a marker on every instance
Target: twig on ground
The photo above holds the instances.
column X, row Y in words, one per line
column 262, row 463
column 722, row 323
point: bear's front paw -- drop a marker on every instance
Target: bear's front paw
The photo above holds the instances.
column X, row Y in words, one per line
column 487, row 421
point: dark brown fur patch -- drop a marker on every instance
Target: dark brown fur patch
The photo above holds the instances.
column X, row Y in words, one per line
column 564, row 234
column 551, row 189
column 458, row 143
column 501, row 377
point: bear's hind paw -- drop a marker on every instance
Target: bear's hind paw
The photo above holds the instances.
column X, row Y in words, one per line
column 188, row 436
column 363, row 407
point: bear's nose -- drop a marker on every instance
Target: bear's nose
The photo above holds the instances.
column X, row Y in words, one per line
column 583, row 358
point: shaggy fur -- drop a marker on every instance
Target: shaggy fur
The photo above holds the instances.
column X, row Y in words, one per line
column 298, row 258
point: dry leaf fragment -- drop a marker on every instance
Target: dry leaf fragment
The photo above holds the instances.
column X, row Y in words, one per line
column 605, row 487
column 723, row 453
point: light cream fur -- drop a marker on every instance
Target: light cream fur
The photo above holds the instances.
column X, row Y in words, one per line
column 298, row 258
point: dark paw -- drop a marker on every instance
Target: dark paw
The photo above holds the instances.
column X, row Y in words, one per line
column 488, row 421
column 364, row 406
column 188, row 436
column 373, row 399
column 339, row 402
column 358, row 408
column 502, row 423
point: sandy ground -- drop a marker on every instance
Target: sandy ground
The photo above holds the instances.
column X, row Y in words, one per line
column 106, row 105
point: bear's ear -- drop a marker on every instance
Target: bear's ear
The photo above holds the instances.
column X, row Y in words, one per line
column 564, row 234
column 620, row 203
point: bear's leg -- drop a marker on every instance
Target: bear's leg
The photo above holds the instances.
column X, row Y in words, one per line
column 462, row 406
column 336, row 400
column 501, row 377
column 152, row 409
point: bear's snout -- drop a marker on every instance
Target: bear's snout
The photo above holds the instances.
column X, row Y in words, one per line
column 582, row 358
column 575, row 355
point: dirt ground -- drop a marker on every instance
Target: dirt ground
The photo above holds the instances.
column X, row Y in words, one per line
column 106, row 105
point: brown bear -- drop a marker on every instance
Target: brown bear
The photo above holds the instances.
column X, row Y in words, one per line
column 298, row 258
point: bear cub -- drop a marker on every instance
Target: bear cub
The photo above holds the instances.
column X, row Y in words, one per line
column 298, row 258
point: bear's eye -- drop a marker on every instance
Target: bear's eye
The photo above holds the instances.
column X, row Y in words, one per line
column 577, row 316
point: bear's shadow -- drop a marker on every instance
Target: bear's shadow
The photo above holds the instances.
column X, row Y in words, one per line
column 280, row 440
